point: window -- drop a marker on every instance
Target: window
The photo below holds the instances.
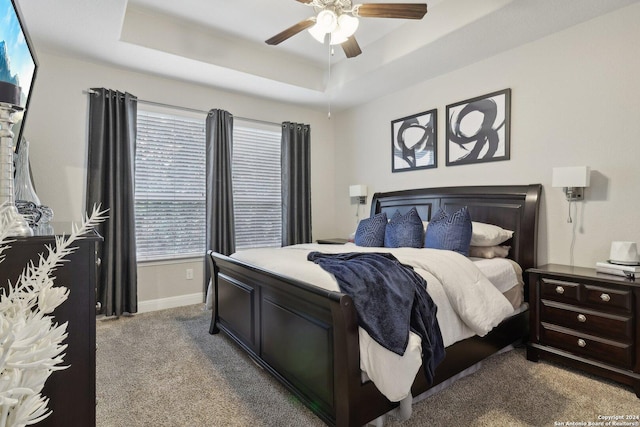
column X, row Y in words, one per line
column 257, row 189
column 169, row 186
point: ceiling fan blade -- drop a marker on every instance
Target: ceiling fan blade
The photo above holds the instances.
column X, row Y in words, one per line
column 391, row 10
column 291, row 31
column 351, row 47
column 304, row 1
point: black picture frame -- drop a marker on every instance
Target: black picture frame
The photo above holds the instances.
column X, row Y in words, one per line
column 414, row 142
column 478, row 129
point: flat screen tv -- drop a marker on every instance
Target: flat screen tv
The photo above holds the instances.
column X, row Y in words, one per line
column 18, row 63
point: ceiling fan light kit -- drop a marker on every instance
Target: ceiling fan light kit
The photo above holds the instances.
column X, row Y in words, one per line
column 340, row 28
column 339, row 20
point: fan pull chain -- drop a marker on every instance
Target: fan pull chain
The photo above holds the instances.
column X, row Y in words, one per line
column 328, row 84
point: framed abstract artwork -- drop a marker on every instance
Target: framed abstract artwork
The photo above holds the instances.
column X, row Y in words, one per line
column 478, row 129
column 413, row 142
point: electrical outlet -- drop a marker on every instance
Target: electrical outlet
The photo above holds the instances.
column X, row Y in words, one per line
column 189, row 273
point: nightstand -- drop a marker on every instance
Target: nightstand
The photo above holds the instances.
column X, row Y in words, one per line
column 333, row 241
column 586, row 320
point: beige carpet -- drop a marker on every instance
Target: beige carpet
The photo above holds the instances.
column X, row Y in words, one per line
column 164, row 369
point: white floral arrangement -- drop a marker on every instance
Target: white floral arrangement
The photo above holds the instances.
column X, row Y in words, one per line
column 31, row 343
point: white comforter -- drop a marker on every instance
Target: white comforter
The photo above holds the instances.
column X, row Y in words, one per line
column 467, row 303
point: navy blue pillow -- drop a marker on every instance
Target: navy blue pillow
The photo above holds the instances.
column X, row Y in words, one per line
column 370, row 231
column 451, row 232
column 404, row 231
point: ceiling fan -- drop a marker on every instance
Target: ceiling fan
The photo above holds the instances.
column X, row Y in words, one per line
column 338, row 20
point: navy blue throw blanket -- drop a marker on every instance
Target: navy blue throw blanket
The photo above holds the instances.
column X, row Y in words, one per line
column 390, row 299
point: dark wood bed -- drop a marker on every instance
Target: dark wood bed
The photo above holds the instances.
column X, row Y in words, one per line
column 307, row 337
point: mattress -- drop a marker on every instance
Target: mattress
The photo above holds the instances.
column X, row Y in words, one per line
column 506, row 275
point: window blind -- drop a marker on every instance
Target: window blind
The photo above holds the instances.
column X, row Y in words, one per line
column 257, row 188
column 169, row 186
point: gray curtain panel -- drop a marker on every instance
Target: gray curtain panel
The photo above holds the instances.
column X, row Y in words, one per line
column 220, row 223
column 296, row 183
column 110, row 183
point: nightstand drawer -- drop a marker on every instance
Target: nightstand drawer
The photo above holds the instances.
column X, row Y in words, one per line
column 589, row 346
column 608, row 298
column 560, row 290
column 589, row 321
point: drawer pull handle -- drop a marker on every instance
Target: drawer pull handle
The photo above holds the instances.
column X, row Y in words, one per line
column 605, row 297
column 582, row 318
column 582, row 343
column 560, row 290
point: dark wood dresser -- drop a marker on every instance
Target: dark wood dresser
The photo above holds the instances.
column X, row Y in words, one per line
column 72, row 392
column 587, row 320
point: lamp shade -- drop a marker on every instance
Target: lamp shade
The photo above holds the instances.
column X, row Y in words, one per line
column 358, row 190
column 327, row 21
column 337, row 38
column 317, row 32
column 573, row 176
column 347, row 25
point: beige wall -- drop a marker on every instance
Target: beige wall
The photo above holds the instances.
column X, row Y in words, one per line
column 575, row 101
column 57, row 130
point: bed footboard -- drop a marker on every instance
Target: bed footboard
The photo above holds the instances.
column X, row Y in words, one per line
column 304, row 336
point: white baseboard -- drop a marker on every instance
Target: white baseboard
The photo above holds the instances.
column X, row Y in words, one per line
column 170, row 302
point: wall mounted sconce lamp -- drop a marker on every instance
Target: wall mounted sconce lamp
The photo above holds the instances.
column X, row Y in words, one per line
column 573, row 180
column 359, row 191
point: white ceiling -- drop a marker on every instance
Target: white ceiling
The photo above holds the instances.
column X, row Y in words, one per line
column 220, row 43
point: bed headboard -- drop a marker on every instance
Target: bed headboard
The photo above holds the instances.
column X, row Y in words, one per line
column 513, row 207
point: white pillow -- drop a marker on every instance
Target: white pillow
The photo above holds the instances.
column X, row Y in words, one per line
column 489, row 251
column 488, row 234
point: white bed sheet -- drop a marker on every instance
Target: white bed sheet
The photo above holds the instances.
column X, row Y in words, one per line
column 504, row 273
column 464, row 309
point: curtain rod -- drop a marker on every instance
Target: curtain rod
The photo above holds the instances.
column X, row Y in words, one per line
column 192, row 110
